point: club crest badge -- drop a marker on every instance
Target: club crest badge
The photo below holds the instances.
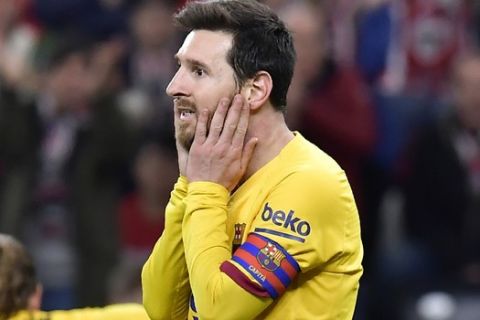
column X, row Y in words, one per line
column 270, row 257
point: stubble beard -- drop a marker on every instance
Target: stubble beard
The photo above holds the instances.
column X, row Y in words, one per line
column 184, row 135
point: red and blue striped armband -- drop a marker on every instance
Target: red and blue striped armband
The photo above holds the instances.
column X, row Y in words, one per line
column 267, row 262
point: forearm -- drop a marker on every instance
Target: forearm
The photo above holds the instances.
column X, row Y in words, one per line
column 206, row 248
column 164, row 275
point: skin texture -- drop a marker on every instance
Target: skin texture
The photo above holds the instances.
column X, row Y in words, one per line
column 222, row 157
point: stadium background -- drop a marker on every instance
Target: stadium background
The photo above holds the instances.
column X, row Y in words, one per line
column 390, row 88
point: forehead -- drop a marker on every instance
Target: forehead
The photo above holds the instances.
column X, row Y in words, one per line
column 206, row 45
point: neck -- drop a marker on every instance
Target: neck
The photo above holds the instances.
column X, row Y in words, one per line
column 273, row 135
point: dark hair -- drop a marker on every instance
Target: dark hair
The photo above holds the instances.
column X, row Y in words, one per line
column 261, row 42
column 17, row 277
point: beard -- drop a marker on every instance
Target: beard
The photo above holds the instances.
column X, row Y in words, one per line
column 184, row 135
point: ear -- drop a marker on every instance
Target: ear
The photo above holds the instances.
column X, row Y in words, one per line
column 258, row 89
column 35, row 300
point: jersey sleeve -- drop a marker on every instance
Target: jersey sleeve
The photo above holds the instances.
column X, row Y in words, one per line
column 308, row 221
column 313, row 216
column 129, row 311
column 217, row 295
column 165, row 283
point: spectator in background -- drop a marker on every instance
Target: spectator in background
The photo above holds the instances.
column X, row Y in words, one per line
column 149, row 68
column 443, row 191
column 63, row 156
column 21, row 293
column 419, row 41
column 141, row 217
column 439, row 250
column 328, row 102
column 100, row 19
column 404, row 49
column 18, row 35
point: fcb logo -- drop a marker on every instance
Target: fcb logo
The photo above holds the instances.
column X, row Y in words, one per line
column 270, row 257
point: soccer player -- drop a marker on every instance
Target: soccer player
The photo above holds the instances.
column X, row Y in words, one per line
column 261, row 223
column 21, row 294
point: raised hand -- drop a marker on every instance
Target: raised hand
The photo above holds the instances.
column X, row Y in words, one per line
column 223, row 155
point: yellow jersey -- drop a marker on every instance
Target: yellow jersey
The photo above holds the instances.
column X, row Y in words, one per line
column 285, row 245
column 128, row 311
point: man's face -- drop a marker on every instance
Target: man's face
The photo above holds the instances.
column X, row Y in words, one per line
column 309, row 35
column 202, row 79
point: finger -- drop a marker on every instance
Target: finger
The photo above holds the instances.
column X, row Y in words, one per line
column 248, row 152
column 233, row 118
column 242, row 126
column 201, row 128
column 216, row 125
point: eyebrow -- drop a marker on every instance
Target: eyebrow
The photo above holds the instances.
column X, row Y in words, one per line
column 193, row 62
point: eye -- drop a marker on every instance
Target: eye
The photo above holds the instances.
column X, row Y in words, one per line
column 199, row 72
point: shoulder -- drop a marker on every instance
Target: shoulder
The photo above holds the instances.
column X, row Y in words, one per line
column 304, row 160
column 314, row 177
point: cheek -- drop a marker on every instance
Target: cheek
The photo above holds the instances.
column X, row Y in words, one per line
column 226, row 90
column 209, row 101
column 210, row 91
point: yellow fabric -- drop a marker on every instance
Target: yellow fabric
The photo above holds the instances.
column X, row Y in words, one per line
column 301, row 179
column 165, row 285
column 114, row 312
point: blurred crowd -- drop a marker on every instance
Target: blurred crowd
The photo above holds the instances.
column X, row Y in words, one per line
column 389, row 88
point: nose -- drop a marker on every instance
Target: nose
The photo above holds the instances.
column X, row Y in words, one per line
column 177, row 86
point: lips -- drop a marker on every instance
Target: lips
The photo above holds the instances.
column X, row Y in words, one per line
column 184, row 109
column 186, row 114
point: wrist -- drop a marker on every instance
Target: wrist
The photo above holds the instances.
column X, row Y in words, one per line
column 203, row 188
